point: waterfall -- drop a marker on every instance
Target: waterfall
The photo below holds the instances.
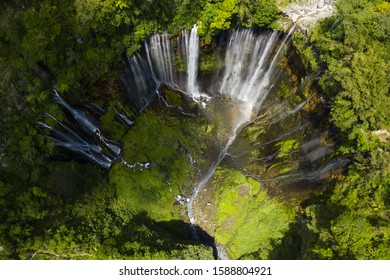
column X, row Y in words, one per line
column 161, row 54
column 192, row 55
column 250, row 61
column 139, row 82
column 250, row 64
column 245, row 63
column 69, row 139
column 249, row 70
column 83, row 137
column 157, row 63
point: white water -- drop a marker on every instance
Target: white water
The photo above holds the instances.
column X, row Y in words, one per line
column 161, row 53
column 160, row 64
column 192, row 55
column 246, row 58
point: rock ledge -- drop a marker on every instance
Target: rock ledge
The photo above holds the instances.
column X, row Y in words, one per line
column 306, row 13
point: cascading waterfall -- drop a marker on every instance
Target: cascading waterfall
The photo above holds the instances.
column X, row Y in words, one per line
column 84, row 138
column 192, row 55
column 246, row 79
column 139, row 81
column 156, row 64
column 250, row 67
column 161, row 54
column 144, row 74
column 103, row 153
column 249, row 72
column 244, row 72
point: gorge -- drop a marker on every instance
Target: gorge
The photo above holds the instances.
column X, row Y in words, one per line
column 194, row 130
column 247, row 69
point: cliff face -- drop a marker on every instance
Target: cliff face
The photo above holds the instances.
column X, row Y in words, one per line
column 306, row 13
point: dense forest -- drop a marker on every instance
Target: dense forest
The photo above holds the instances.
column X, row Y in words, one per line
column 56, row 205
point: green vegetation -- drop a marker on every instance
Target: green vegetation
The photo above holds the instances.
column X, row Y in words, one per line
column 155, row 139
column 114, row 129
column 352, row 222
column 53, row 207
column 249, row 223
column 224, row 14
column 208, row 62
column 285, row 147
column 80, row 212
column 75, row 46
column 305, row 50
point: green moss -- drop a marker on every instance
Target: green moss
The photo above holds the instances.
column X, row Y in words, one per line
column 207, row 63
column 172, row 97
column 143, row 191
column 109, row 125
column 249, row 222
column 170, row 144
column 285, row 147
column 285, row 91
column 253, row 132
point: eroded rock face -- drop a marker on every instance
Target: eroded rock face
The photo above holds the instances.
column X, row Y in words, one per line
column 306, row 13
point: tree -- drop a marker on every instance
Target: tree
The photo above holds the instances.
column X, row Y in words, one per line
column 355, row 51
column 365, row 92
column 265, row 12
column 217, row 15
